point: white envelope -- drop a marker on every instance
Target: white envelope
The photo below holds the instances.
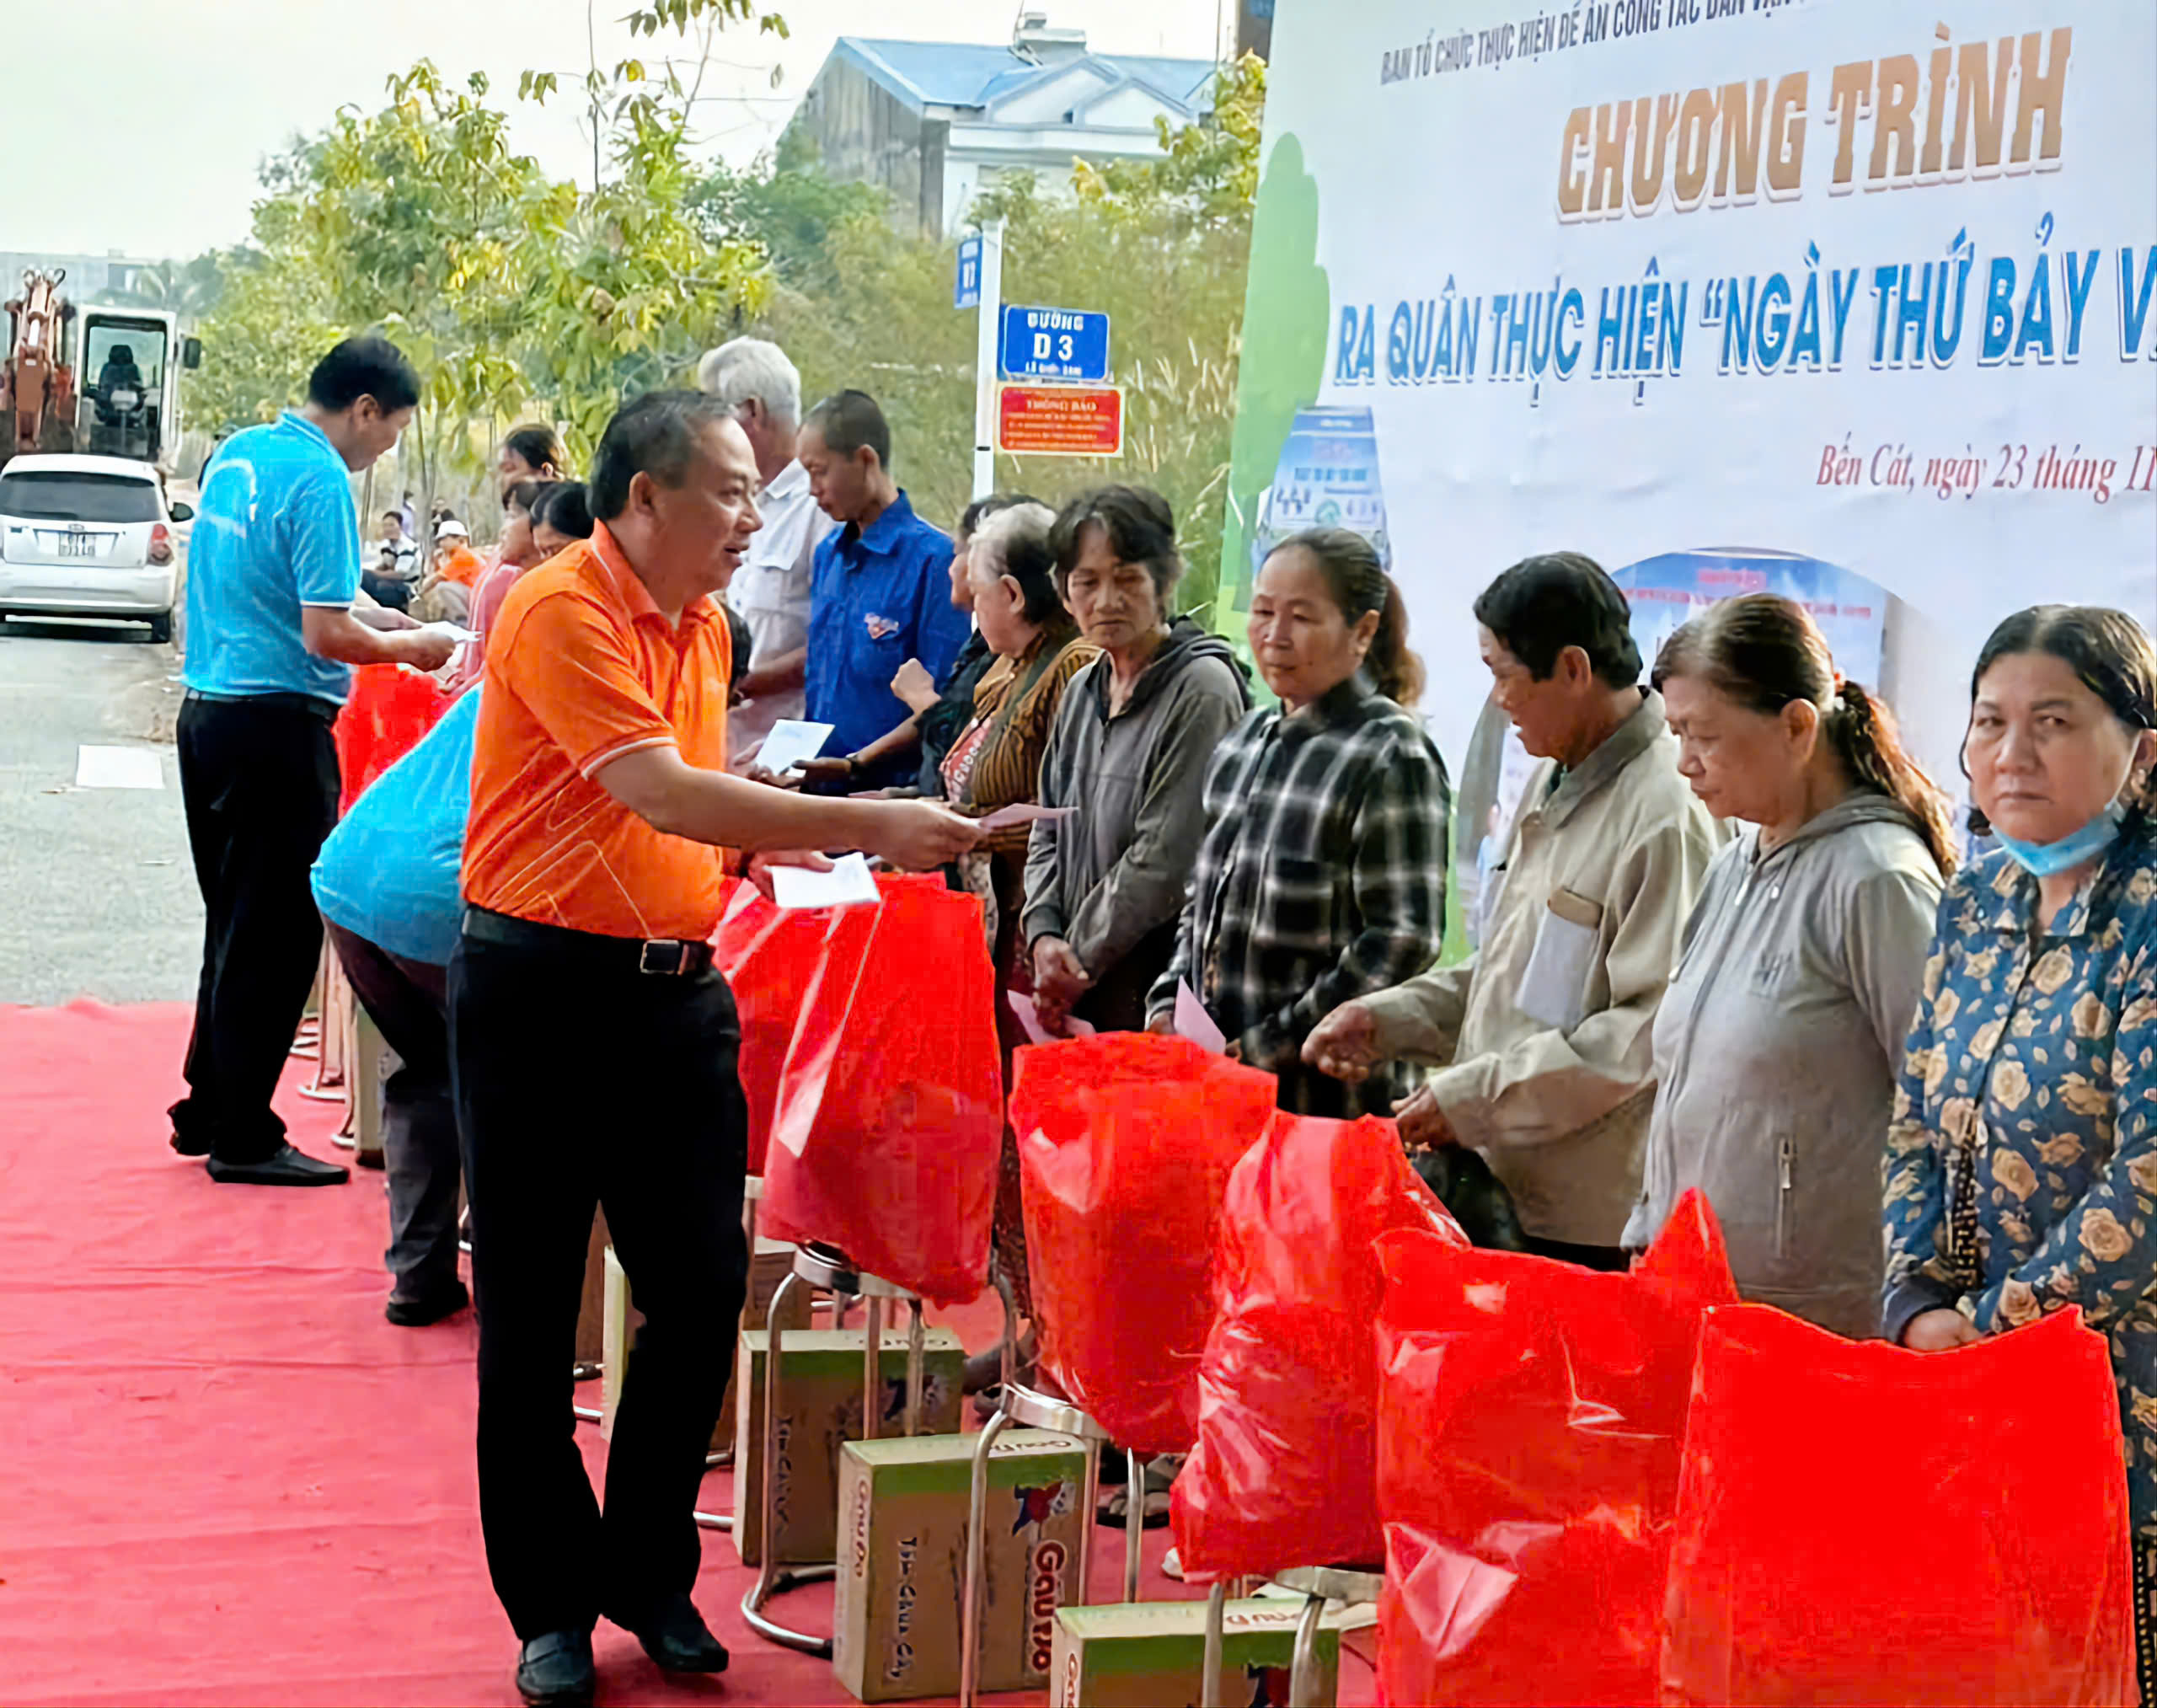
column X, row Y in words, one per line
column 1029, row 1015
column 1193, row 1022
column 849, row 883
column 792, row 739
column 1022, row 812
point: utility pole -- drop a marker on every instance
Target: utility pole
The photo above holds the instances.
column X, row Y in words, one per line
column 985, row 356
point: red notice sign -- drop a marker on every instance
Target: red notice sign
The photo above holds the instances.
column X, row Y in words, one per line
column 1060, row 420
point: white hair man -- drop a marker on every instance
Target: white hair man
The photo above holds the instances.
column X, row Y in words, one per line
column 754, row 379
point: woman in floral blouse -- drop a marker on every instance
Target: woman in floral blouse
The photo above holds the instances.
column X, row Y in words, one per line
column 2022, row 1167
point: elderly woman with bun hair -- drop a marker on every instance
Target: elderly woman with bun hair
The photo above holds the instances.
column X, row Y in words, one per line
column 2022, row 1162
column 1777, row 1044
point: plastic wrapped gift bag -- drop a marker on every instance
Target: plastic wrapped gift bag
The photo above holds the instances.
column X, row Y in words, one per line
column 1126, row 1141
column 1531, row 1422
column 889, row 1110
column 388, row 711
column 1861, row 1524
column 1285, row 1471
column 769, row 955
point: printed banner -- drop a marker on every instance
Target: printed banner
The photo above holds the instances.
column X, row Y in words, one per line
column 1849, row 301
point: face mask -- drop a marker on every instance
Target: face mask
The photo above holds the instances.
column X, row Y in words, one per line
column 2049, row 859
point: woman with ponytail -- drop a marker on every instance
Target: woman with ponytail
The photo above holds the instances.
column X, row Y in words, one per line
column 1777, row 1045
column 1322, row 875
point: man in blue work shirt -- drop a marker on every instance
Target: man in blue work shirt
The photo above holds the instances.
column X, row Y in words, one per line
column 881, row 594
column 272, row 575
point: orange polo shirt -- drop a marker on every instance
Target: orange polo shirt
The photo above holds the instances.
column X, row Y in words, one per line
column 582, row 668
column 463, row 565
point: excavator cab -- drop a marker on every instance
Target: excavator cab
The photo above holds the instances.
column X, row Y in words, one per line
column 125, row 412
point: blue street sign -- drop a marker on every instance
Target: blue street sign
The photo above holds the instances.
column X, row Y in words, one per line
column 1055, row 344
column 966, row 289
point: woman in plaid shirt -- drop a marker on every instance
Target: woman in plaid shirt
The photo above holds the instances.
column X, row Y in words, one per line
column 1322, row 875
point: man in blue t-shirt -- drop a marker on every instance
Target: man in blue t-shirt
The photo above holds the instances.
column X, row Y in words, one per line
column 273, row 572
column 387, row 884
column 881, row 594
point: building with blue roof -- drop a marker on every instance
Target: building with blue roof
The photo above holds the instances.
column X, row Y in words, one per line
column 935, row 123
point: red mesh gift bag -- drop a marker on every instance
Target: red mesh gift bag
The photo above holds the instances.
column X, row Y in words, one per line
column 1531, row 1419
column 889, row 1111
column 390, row 709
column 1125, row 1143
column 1285, row 1471
column 1861, row 1524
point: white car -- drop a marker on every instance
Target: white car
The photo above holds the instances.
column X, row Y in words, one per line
column 88, row 536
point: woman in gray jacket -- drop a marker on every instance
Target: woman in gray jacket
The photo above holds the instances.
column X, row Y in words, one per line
column 1137, row 728
column 1777, row 1045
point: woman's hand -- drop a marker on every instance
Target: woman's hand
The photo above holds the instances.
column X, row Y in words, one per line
column 1423, row 1124
column 1163, row 1025
column 915, row 685
column 825, row 773
column 1939, row 1331
column 1345, row 1045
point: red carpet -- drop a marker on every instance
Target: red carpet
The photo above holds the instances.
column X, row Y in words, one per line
column 224, row 1478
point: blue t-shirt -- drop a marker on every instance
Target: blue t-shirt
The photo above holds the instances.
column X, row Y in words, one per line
column 274, row 531
column 389, row 871
column 878, row 598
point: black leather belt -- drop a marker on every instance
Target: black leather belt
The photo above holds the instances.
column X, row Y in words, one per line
column 307, row 703
column 661, row 957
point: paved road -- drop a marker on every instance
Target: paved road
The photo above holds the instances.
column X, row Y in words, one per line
column 97, row 897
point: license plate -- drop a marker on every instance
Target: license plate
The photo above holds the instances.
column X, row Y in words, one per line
column 78, row 545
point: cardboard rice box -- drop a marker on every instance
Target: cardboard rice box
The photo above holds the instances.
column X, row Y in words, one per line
column 1150, row 1655
column 773, row 1263
column 902, row 1525
column 821, row 1384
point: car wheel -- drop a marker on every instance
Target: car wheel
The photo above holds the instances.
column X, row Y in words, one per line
column 161, row 630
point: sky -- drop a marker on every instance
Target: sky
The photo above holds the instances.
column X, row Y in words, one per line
column 160, row 160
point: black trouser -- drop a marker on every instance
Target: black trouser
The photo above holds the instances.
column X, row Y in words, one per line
column 259, row 779
column 579, row 1081
column 408, row 1002
column 393, row 591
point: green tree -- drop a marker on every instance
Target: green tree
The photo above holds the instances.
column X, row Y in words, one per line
column 1284, row 343
column 787, row 207
column 1160, row 246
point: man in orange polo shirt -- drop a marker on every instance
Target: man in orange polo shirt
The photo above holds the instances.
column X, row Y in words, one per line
column 595, row 1046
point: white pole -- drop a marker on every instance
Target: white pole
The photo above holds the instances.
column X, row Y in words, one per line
column 992, row 316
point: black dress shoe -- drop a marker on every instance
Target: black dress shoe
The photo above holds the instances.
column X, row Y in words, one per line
column 675, row 1635
column 190, row 1144
column 428, row 1309
column 555, row 1671
column 283, row 1167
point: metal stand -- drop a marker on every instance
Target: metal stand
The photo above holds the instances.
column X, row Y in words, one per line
column 831, row 1271
column 752, row 1193
column 1317, row 1585
column 1030, row 1410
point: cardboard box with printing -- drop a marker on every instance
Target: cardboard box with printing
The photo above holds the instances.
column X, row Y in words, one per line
column 774, row 1263
column 1150, row 1655
column 902, row 1529
column 821, row 1389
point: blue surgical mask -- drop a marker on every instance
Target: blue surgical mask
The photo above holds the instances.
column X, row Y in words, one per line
column 2049, row 859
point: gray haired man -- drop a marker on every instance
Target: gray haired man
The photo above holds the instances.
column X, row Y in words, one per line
column 754, row 377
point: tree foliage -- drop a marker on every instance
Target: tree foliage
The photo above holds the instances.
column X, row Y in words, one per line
column 519, row 295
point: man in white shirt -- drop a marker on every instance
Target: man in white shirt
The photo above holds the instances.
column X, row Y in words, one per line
column 754, row 377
